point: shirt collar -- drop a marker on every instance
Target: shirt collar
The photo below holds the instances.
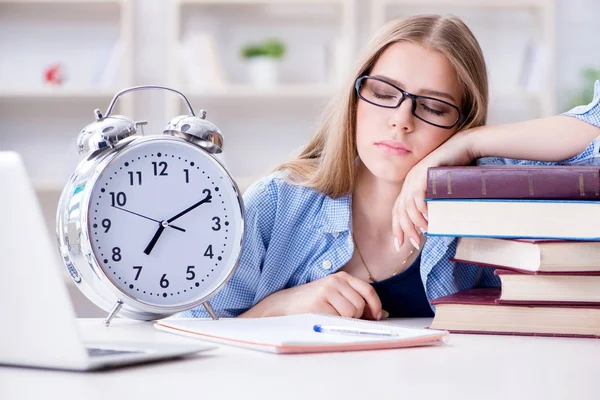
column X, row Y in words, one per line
column 334, row 215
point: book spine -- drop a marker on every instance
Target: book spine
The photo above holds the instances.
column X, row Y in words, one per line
column 536, row 334
column 506, row 269
column 559, row 183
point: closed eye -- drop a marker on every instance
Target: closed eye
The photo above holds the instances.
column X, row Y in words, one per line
column 432, row 111
column 383, row 96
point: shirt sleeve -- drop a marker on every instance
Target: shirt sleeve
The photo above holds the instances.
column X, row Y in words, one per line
column 589, row 113
column 237, row 296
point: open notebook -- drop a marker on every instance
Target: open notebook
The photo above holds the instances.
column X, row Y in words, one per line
column 296, row 334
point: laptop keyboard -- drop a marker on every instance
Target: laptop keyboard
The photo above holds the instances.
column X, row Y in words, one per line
column 97, row 352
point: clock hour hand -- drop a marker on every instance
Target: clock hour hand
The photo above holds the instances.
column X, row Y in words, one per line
column 207, row 199
column 154, row 239
column 151, row 219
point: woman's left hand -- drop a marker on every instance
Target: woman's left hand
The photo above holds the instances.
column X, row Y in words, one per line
column 409, row 215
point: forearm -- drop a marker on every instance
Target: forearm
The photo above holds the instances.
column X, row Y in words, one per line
column 546, row 139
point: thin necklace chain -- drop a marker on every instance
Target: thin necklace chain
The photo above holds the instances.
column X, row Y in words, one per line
column 371, row 278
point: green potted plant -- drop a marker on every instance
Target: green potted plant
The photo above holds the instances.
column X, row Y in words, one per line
column 586, row 94
column 263, row 61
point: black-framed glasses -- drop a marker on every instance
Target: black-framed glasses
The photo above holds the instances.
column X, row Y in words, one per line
column 381, row 93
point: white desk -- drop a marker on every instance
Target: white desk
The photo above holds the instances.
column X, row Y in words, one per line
column 468, row 367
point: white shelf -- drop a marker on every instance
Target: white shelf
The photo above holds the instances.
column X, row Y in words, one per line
column 259, row 2
column 63, row 1
column 58, row 93
column 469, row 3
column 277, row 92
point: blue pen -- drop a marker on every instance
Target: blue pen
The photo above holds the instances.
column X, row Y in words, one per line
column 342, row 330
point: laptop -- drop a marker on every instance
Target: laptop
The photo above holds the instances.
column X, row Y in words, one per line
column 39, row 327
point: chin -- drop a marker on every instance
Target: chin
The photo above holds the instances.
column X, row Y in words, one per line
column 389, row 172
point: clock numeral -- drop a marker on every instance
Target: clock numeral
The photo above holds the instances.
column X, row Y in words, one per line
column 190, row 274
column 119, row 199
column 187, row 175
column 157, row 166
column 217, row 226
column 116, row 254
column 139, row 271
column 208, row 252
column 132, row 175
column 106, row 224
column 164, row 283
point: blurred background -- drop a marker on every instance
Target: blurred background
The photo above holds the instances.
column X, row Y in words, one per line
column 262, row 69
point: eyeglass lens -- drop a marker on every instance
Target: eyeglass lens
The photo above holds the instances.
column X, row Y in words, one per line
column 430, row 110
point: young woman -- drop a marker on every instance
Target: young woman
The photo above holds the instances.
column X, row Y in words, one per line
column 326, row 232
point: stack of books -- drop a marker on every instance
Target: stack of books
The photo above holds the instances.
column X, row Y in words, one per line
column 539, row 228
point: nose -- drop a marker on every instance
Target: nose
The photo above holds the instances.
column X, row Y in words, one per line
column 402, row 117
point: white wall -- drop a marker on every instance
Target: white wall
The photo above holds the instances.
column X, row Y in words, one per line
column 578, row 26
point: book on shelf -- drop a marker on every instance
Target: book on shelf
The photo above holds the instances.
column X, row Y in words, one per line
column 508, row 218
column 200, row 62
column 478, row 311
column 514, row 182
column 549, row 288
column 534, row 68
column 530, row 255
column 106, row 70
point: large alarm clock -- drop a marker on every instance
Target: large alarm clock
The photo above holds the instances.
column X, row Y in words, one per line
column 149, row 226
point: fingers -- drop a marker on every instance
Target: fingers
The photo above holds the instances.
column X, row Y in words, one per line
column 409, row 229
column 396, row 227
column 416, row 221
column 342, row 305
column 368, row 293
column 422, row 206
column 325, row 308
column 353, row 297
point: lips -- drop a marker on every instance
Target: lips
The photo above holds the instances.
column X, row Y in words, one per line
column 392, row 147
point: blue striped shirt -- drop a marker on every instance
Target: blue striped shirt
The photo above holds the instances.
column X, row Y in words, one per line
column 296, row 235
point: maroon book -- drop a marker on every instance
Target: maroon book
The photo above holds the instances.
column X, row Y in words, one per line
column 477, row 311
column 514, row 182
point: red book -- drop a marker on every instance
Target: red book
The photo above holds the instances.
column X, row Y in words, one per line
column 478, row 311
column 514, row 182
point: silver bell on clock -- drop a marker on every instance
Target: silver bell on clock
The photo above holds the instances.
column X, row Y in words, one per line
column 149, row 226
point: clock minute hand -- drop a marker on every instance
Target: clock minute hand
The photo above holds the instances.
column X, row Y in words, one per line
column 151, row 219
column 207, row 199
column 164, row 224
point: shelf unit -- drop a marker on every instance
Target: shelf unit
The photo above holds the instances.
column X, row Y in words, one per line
column 42, row 121
column 536, row 17
column 311, row 30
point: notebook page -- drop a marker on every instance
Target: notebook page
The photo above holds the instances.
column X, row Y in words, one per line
column 293, row 330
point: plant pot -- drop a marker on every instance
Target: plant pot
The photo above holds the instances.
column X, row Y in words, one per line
column 263, row 71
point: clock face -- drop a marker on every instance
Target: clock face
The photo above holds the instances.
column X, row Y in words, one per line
column 165, row 222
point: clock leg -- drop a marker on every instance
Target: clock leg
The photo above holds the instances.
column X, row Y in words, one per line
column 210, row 310
column 113, row 312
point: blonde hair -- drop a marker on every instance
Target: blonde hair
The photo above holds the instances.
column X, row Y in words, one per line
column 327, row 163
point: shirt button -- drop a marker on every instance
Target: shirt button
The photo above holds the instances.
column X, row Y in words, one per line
column 326, row 264
column 335, row 234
